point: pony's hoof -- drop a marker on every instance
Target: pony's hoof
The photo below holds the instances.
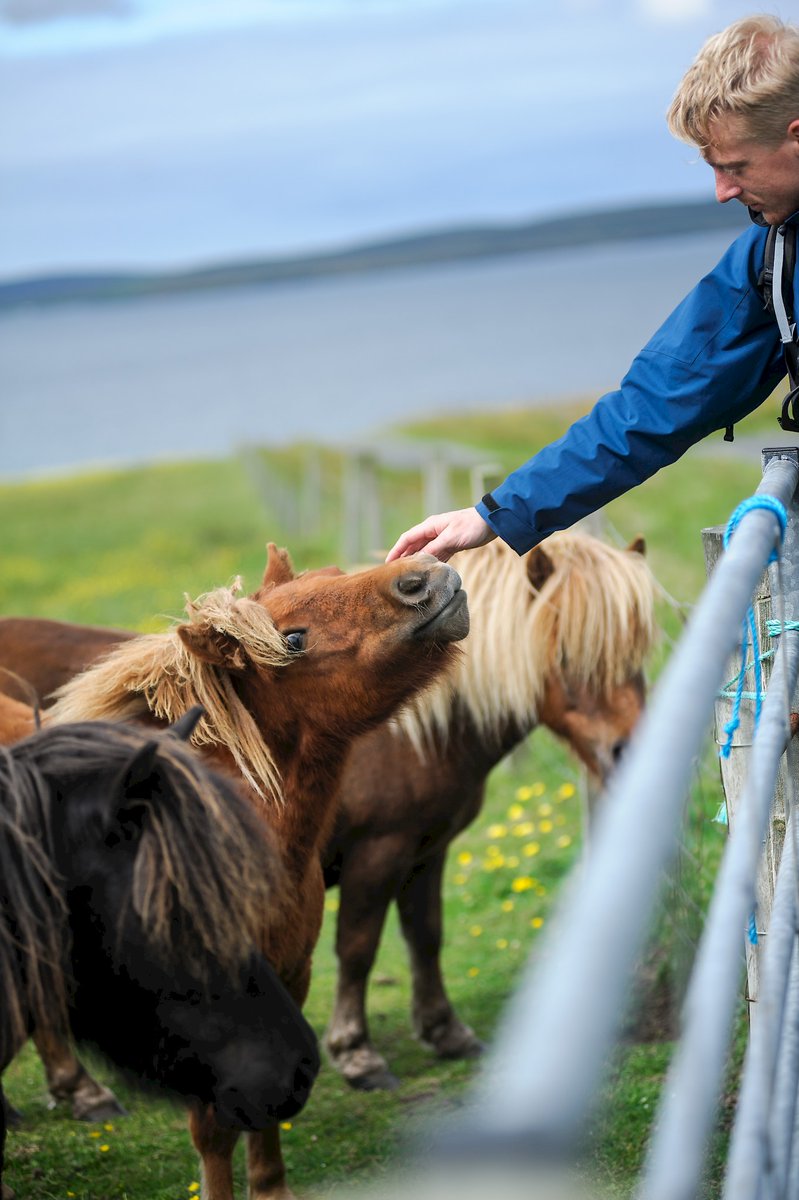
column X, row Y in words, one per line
column 7, row 1193
column 374, row 1081
column 105, row 1110
column 363, row 1068
column 453, row 1040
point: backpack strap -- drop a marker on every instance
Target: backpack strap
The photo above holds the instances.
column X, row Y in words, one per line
column 776, row 284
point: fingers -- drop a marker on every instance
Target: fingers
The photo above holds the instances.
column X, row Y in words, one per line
column 415, row 540
column 443, row 535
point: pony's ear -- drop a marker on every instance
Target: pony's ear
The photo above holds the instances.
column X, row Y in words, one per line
column 279, row 568
column 212, row 646
column 539, row 567
column 136, row 783
column 184, row 727
column 637, row 545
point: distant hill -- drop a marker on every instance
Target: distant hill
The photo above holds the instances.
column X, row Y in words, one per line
column 422, row 249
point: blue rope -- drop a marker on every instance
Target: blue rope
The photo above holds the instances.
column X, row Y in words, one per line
column 773, row 505
column 749, row 626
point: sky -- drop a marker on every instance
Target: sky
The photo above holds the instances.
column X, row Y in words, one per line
column 147, row 134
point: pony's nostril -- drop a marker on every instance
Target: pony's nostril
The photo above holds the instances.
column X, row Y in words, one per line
column 618, row 750
column 410, row 584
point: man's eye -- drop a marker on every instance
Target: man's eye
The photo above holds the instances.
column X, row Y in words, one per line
column 295, row 640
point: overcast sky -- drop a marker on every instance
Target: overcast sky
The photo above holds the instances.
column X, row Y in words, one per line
column 145, row 133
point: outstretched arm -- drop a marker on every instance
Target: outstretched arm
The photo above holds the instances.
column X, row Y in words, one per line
column 443, row 535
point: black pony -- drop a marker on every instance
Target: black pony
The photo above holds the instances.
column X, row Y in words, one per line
column 134, row 886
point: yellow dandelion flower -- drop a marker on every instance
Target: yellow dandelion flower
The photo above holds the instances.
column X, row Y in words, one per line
column 473, row 971
column 531, row 849
column 515, row 812
column 522, row 883
column 538, row 789
column 475, row 930
column 494, row 863
column 540, row 890
column 537, row 922
column 286, row 1125
column 460, row 878
column 194, row 1186
column 104, row 1148
column 545, row 810
column 564, row 840
column 71, row 1193
column 545, row 826
column 507, row 906
column 502, row 943
column 497, row 831
column 95, row 1133
column 512, row 861
column 465, row 857
column 331, row 904
column 109, row 1127
column 524, row 793
column 493, row 851
column 523, row 829
column 566, row 791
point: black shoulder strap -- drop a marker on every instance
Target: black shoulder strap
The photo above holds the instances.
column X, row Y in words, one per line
column 779, row 264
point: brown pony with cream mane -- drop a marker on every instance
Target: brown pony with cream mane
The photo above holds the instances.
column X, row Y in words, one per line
column 288, row 677
column 558, row 638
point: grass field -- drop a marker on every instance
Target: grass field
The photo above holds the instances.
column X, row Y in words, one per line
column 122, row 549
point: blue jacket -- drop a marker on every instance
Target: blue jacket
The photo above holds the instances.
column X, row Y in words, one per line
column 713, row 361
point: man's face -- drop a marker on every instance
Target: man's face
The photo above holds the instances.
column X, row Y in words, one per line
column 764, row 179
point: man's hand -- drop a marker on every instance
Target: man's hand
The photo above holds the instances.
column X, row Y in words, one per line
column 444, row 535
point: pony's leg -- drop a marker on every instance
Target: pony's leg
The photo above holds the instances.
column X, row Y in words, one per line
column 215, row 1147
column 368, row 882
column 434, row 1019
column 68, row 1079
column 266, row 1172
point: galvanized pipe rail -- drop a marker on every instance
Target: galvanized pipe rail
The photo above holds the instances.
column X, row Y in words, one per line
column 541, row 1079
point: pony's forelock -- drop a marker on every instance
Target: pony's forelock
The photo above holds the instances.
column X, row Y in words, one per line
column 157, row 673
column 592, row 622
column 205, row 880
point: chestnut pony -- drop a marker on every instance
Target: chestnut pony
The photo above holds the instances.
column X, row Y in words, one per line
column 558, row 638
column 132, row 879
column 288, row 677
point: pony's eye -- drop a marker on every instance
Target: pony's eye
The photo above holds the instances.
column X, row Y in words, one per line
column 295, row 640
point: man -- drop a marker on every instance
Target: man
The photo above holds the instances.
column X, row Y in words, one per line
column 718, row 356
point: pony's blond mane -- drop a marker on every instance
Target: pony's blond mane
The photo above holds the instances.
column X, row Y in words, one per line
column 592, row 622
column 156, row 673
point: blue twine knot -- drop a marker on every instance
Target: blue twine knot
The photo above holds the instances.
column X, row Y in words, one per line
column 775, row 506
column 752, row 930
column 771, row 504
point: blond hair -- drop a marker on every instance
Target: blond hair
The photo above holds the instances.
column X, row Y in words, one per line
column 749, row 70
column 591, row 622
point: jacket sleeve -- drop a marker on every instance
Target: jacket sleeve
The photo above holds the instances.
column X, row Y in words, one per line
column 713, row 361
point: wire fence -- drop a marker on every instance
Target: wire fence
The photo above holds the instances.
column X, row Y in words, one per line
column 523, row 1126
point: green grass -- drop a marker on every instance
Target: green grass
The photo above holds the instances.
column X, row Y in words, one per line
column 123, row 548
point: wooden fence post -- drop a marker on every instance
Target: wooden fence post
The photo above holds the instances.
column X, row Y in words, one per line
column 734, row 767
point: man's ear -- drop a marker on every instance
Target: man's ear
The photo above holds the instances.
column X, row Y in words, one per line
column 212, row 646
column 539, row 567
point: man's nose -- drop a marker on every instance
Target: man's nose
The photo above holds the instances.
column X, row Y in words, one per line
column 725, row 188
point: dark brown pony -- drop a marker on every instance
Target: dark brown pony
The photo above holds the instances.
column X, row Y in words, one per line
column 134, row 888
column 288, row 677
column 558, row 638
